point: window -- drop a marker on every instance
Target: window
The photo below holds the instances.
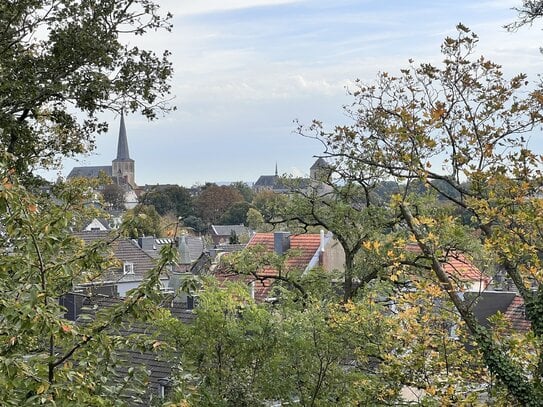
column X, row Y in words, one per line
column 128, row 268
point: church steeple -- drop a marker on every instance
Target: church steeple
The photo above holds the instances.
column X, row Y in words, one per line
column 123, row 168
column 276, row 174
column 122, row 144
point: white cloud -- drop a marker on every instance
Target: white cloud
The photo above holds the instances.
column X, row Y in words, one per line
column 191, row 7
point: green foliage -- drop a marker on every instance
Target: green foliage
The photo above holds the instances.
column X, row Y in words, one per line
column 60, row 58
column 214, row 201
column 245, row 190
column 236, row 214
column 195, row 223
column 233, row 239
column 140, row 221
column 174, row 199
column 238, row 353
column 255, row 220
column 467, row 114
column 354, row 214
column 269, row 203
column 45, row 358
column 114, row 195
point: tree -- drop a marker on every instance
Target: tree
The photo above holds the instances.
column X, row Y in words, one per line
column 213, row 201
column 268, row 203
column 45, row 358
column 245, row 190
column 255, row 220
column 62, row 61
column 238, row 353
column 530, row 11
column 114, row 195
column 195, row 223
column 236, row 214
column 353, row 213
column 172, row 199
column 142, row 220
column 467, row 115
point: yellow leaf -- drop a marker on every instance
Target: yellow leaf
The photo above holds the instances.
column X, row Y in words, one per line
column 42, row 388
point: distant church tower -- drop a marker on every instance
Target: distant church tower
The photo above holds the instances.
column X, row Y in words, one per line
column 320, row 170
column 123, row 168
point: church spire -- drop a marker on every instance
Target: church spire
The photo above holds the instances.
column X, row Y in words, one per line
column 122, row 145
column 276, row 169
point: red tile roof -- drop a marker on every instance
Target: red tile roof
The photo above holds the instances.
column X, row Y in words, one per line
column 305, row 247
column 457, row 266
column 516, row 315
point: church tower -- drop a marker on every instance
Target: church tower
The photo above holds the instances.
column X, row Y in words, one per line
column 123, row 168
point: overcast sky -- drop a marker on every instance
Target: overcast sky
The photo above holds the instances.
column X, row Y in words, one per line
column 246, row 69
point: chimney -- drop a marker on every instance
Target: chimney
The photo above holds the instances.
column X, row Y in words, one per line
column 281, row 242
column 321, row 248
column 147, row 242
column 184, row 253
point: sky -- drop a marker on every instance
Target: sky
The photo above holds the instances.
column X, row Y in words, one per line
column 246, row 71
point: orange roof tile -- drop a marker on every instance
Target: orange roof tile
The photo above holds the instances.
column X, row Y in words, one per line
column 305, row 245
column 458, row 266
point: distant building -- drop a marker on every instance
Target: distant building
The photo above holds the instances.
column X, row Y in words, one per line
column 221, row 234
column 122, row 169
column 309, row 251
column 133, row 263
column 270, row 183
column 318, row 172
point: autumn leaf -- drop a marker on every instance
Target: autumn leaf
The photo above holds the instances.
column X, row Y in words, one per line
column 42, row 388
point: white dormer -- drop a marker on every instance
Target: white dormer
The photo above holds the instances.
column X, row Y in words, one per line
column 128, row 268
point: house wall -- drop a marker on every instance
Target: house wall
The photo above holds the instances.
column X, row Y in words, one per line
column 334, row 256
column 123, row 288
column 95, row 225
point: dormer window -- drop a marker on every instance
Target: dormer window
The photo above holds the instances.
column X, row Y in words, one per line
column 128, row 268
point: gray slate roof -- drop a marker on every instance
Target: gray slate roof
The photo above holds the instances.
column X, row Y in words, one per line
column 159, row 367
column 488, row 303
column 152, row 245
column 268, row 181
column 126, row 251
column 320, row 163
column 89, row 172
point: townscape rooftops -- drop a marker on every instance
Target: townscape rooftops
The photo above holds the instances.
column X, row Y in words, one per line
column 196, row 246
column 305, row 247
column 126, row 251
column 488, row 303
column 158, row 367
column 268, row 181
